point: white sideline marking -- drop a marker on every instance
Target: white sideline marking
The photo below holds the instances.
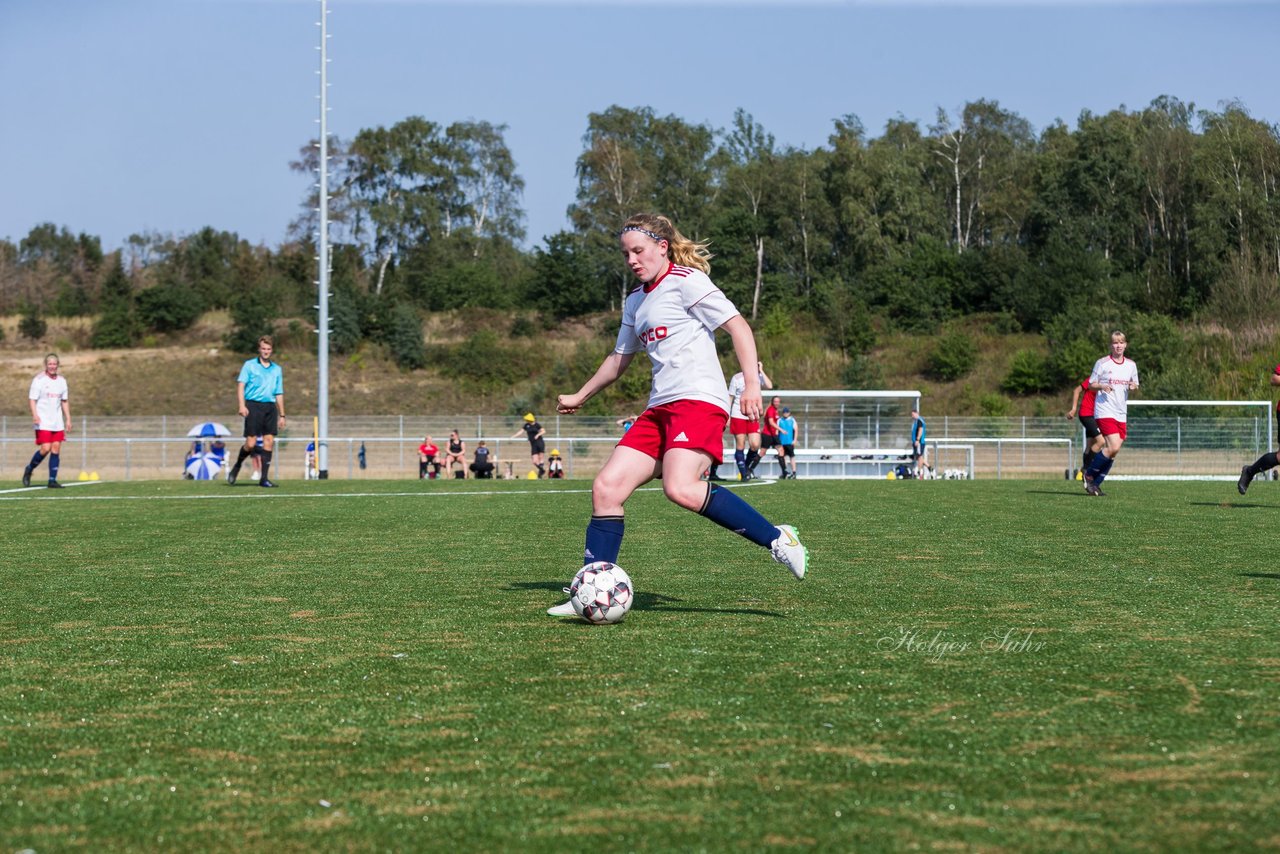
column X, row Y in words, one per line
column 264, row 494
column 45, row 488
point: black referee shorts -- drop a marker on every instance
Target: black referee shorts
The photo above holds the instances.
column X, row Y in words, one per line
column 262, row 419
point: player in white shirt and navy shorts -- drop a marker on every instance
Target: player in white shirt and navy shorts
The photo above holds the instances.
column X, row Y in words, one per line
column 52, row 416
column 673, row 316
column 1113, row 377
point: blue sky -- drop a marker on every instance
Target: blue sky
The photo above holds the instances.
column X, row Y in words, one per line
column 126, row 116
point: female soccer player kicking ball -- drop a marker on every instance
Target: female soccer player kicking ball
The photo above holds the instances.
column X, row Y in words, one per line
column 673, row 316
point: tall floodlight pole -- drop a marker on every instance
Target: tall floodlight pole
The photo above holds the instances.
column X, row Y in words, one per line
column 322, row 256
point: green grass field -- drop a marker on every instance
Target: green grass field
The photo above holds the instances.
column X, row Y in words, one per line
column 983, row 665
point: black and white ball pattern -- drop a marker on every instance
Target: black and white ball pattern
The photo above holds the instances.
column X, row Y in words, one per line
column 601, row 592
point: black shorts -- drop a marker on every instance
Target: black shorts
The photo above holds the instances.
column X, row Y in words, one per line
column 768, row 441
column 537, row 446
column 1090, row 425
column 788, row 450
column 262, row 419
column 917, row 450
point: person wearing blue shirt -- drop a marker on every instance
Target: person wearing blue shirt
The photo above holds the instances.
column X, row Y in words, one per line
column 260, row 389
column 919, row 451
column 787, row 443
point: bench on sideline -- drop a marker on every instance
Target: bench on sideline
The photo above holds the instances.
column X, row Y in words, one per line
column 835, row 462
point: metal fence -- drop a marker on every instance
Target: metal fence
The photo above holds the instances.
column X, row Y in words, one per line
column 385, row 446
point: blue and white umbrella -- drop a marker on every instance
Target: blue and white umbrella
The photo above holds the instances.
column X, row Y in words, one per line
column 209, row 428
column 204, row 467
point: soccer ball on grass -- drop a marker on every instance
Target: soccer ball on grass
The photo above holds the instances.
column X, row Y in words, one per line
column 601, row 592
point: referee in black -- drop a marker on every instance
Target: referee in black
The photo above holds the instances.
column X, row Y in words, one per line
column 260, row 389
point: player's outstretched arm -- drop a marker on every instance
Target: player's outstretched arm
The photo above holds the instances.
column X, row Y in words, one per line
column 744, row 346
column 609, row 371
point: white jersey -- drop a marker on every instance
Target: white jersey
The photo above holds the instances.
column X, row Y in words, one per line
column 48, row 395
column 1113, row 404
column 674, row 319
column 737, row 386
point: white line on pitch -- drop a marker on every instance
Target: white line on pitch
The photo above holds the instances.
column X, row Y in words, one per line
column 246, row 495
column 45, row 488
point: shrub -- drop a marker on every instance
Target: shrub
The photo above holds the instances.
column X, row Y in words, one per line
column 404, row 338
column 845, row 318
column 776, row 323
column 1072, row 362
column 169, row 307
column 117, row 325
column 523, row 327
column 564, row 283
column 1029, row 373
column 252, row 316
column 953, row 356
column 862, row 372
column 72, row 301
column 995, row 405
column 32, row 325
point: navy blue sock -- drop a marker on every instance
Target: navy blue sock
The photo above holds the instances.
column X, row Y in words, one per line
column 740, row 460
column 1092, row 470
column 35, row 460
column 1105, row 469
column 604, row 539
column 729, row 511
column 53, row 466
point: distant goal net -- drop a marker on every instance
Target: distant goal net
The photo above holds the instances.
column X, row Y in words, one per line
column 847, row 434
column 1194, row 439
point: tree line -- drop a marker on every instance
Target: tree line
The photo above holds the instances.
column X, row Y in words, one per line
column 1154, row 216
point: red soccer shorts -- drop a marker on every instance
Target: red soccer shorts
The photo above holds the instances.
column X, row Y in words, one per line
column 48, row 437
column 741, row 426
column 693, row 424
column 1112, row 427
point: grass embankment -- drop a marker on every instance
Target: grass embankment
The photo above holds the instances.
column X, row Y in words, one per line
column 490, row 362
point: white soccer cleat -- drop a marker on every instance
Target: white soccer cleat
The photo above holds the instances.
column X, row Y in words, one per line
column 563, row 610
column 788, row 551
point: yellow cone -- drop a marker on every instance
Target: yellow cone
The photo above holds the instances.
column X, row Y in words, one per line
column 93, row 475
column 532, row 475
column 84, row 475
column 891, row 476
column 1079, row 475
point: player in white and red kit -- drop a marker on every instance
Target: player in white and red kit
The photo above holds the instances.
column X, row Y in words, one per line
column 1113, row 377
column 673, row 317
column 745, row 431
column 51, row 414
